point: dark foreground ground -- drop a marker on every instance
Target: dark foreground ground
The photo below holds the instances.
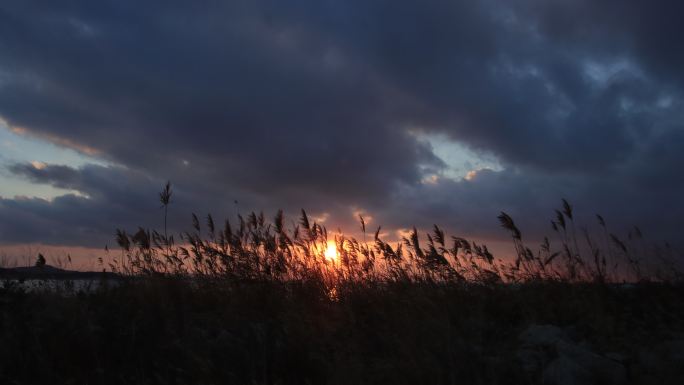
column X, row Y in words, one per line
column 165, row 331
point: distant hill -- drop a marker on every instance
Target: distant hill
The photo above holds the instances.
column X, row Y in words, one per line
column 51, row 272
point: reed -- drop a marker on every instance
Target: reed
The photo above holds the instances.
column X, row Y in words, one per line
column 255, row 248
column 255, row 301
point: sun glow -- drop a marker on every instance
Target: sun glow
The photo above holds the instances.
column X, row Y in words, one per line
column 331, row 251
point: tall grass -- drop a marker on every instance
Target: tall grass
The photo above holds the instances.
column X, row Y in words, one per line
column 257, row 302
column 255, row 248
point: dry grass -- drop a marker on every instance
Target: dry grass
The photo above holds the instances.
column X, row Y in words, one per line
column 257, row 302
column 257, row 249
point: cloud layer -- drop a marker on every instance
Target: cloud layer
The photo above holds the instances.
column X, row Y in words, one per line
column 327, row 106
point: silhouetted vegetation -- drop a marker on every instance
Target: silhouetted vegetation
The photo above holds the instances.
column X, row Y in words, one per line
column 257, row 249
column 40, row 261
column 256, row 302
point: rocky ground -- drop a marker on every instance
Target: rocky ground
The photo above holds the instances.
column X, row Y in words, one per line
column 560, row 356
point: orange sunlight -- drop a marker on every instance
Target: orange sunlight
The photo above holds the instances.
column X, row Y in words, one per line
column 331, row 251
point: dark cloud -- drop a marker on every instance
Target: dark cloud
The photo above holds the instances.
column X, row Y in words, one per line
column 323, row 105
column 107, row 198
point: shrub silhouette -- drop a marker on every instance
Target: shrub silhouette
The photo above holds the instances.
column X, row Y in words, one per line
column 40, row 261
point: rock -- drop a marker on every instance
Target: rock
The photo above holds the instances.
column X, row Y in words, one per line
column 603, row 369
column 548, row 350
column 672, row 350
column 565, row 371
column 663, row 362
column 531, row 360
column 542, row 335
column 617, row 357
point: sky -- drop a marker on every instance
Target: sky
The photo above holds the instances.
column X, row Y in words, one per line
column 409, row 113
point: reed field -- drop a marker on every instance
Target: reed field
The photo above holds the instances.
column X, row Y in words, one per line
column 257, row 302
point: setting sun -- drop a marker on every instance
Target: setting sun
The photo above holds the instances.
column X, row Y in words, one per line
column 331, row 251
column 336, row 192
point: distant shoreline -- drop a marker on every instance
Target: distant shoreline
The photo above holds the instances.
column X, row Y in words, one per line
column 51, row 272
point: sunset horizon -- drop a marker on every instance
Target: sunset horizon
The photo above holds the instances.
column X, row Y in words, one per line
column 341, row 192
